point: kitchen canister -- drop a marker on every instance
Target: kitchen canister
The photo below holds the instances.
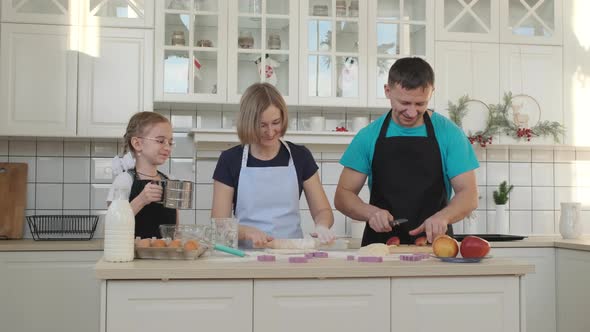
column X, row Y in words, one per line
column 570, row 225
column 119, row 228
column 359, row 122
column 177, row 38
column 317, row 123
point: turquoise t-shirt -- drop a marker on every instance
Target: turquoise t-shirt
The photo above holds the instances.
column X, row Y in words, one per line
column 456, row 152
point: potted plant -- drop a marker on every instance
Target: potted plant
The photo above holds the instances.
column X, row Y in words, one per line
column 501, row 197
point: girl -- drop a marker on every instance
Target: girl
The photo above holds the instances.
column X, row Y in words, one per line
column 148, row 143
column 262, row 179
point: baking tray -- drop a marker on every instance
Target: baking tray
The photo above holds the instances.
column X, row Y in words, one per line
column 491, row 237
column 169, row 253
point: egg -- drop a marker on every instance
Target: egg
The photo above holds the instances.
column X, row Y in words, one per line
column 191, row 245
column 143, row 243
column 175, row 244
column 158, row 243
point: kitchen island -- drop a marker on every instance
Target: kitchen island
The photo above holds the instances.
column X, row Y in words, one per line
column 222, row 293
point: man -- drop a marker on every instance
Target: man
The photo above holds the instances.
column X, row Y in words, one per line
column 414, row 158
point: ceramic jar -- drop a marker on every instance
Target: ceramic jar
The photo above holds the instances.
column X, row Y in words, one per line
column 177, row 38
column 570, row 225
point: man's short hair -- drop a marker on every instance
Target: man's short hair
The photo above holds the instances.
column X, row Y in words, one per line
column 411, row 73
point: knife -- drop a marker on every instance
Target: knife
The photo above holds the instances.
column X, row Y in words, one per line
column 397, row 222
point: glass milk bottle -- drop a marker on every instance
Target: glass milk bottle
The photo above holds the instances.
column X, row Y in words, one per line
column 570, row 225
column 119, row 229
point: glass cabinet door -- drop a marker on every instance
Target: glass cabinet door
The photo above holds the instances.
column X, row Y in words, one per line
column 119, row 13
column 398, row 28
column 262, row 46
column 475, row 20
column 40, row 11
column 190, row 51
column 532, row 21
column 333, row 57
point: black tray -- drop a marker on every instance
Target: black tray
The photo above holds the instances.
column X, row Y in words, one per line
column 491, row 237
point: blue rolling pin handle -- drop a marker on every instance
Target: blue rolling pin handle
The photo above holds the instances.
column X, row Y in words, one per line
column 229, row 250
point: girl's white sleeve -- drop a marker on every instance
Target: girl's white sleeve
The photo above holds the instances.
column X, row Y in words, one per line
column 123, row 180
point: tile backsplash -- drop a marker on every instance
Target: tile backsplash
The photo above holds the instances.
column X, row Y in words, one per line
column 69, row 176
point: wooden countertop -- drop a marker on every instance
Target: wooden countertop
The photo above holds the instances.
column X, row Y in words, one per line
column 97, row 244
column 225, row 267
column 32, row 245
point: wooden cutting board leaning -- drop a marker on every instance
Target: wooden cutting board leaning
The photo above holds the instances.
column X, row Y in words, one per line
column 13, row 198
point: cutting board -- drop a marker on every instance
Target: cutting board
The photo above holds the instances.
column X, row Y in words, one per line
column 13, row 198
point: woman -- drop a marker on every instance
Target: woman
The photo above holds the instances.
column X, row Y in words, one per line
column 262, row 179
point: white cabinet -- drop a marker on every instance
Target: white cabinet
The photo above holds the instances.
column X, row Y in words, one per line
column 263, row 45
column 39, row 80
column 534, row 75
column 191, row 51
column 106, row 97
column 63, row 12
column 531, row 22
column 505, row 21
column 540, row 286
column 489, row 303
column 396, row 29
column 49, row 291
column 117, row 13
column 322, row 305
column 467, row 68
column 573, row 294
column 467, row 20
column 113, row 13
column 333, row 53
column 157, row 306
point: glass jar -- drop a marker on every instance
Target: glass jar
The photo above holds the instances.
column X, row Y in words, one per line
column 341, row 8
column 246, row 40
column 274, row 41
column 353, row 9
column 177, row 38
column 320, row 10
column 204, row 43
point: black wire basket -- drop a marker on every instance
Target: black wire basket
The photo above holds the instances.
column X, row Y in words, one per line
column 62, row 228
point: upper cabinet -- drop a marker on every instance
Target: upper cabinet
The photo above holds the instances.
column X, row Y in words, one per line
column 112, row 13
column 38, row 84
column 191, row 51
column 333, row 52
column 104, row 108
column 66, row 72
column 467, row 20
column 118, row 13
column 263, row 46
column 531, row 21
column 505, row 21
column 396, row 29
column 316, row 52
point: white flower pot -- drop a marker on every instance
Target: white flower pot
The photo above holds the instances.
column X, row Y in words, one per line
column 570, row 225
column 501, row 222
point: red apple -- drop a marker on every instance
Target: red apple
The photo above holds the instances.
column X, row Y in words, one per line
column 394, row 240
column 421, row 241
column 445, row 246
column 474, row 247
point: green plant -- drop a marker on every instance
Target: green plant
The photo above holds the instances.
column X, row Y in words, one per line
column 501, row 195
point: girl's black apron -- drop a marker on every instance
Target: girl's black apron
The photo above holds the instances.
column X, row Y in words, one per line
column 407, row 181
column 149, row 219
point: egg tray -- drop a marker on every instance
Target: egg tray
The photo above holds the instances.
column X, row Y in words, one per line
column 169, row 253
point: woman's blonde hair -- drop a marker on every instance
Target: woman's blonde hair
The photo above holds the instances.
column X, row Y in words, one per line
column 255, row 100
column 139, row 124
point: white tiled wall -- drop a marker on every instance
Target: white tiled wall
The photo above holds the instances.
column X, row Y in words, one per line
column 73, row 177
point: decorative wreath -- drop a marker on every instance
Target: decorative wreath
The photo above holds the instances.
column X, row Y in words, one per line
column 498, row 121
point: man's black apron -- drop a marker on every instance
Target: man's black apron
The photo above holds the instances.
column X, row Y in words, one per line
column 149, row 219
column 407, row 181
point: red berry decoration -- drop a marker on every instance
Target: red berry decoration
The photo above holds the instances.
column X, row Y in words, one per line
column 341, row 129
column 481, row 140
column 524, row 132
